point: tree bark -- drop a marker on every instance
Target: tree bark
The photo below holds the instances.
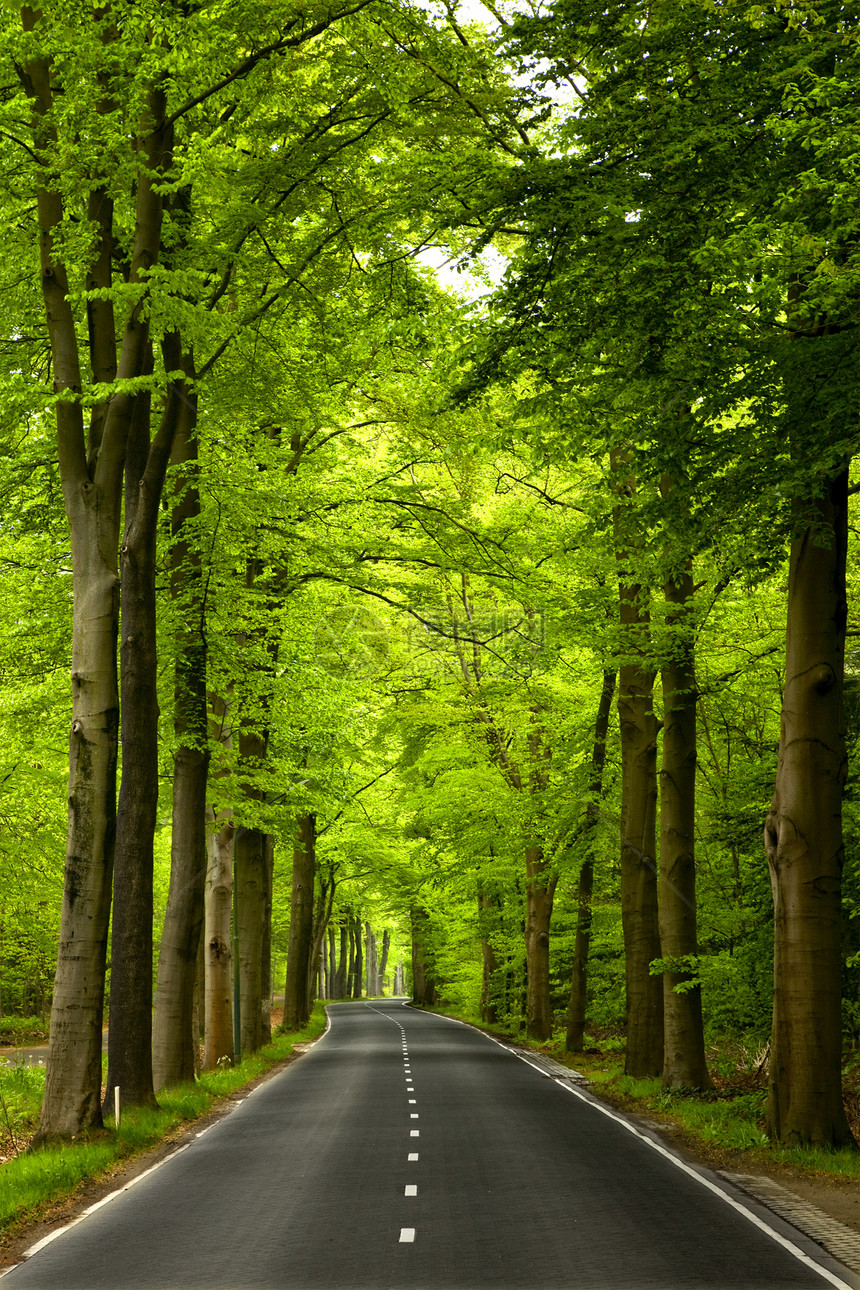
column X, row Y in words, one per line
column 350, row 971
column 218, row 990
column 540, row 893
column 423, row 974
column 342, row 975
column 326, row 888
column 174, row 1051
column 298, row 983
column 357, row 972
column 684, row 1064
column 130, row 1033
column 383, row 964
column 332, row 964
column 91, row 474
column 487, row 921
column 250, row 858
column 266, row 942
column 576, row 1012
column 803, row 835
column 638, row 728
column 370, row 959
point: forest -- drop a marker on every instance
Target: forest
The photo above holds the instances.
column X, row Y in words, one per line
column 429, row 537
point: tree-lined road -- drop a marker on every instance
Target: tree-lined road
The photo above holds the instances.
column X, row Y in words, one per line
column 407, row 1152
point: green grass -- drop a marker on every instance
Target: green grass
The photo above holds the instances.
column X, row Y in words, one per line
column 29, row 1183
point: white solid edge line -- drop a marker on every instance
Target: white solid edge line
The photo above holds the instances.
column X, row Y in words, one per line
column 748, row 1214
column 717, row 1191
column 52, row 1236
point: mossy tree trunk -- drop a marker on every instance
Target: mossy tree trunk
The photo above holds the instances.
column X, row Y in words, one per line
column 684, row 1064
column 576, row 1012
column 803, row 834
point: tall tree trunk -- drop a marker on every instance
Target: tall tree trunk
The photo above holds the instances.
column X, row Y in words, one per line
column 130, row 1031
column 266, row 984
column 575, row 1037
column 803, row 835
column 423, row 974
column 326, row 888
column 684, row 1063
column 383, row 965
column 250, row 854
column 218, row 1020
column 251, row 880
column 250, row 871
column 174, row 1045
column 218, row 900
column 91, row 472
column 540, row 892
column 487, row 921
column 72, row 1101
column 298, row 983
column 639, row 871
column 332, row 964
column 357, row 962
column 638, row 728
column 350, row 971
column 342, row 975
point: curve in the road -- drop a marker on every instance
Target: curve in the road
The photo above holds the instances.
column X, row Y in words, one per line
column 408, row 1152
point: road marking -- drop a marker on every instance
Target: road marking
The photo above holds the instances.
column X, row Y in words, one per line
column 410, row 1190
column 413, row 1115
column 413, row 1101
column 413, row 1155
column 415, row 1133
column 786, row 1244
column 105, row 1200
column 407, row 1235
column 717, row 1191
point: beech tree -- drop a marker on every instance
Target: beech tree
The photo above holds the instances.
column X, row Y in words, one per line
column 409, row 614
column 729, row 306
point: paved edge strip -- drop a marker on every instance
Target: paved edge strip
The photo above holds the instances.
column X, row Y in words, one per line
column 736, row 1205
column 841, row 1241
column 120, row 1191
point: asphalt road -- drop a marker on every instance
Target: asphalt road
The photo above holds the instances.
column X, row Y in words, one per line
column 407, row 1152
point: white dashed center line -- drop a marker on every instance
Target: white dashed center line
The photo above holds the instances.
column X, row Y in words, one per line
column 413, row 1155
column 410, row 1190
column 407, row 1234
column 415, row 1133
column 413, row 1115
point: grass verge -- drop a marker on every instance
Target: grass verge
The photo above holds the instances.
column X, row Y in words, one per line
column 30, row 1183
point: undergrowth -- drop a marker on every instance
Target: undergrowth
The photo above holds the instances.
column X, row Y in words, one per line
column 28, row 1183
column 21, row 1031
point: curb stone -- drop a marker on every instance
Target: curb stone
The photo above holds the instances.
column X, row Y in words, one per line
column 837, row 1239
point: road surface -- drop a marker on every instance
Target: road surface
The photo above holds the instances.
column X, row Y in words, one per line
column 408, row 1152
